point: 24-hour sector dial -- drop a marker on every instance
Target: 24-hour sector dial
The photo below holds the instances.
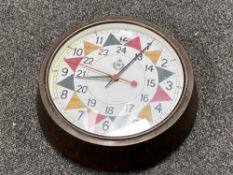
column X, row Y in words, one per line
column 119, row 89
column 116, row 79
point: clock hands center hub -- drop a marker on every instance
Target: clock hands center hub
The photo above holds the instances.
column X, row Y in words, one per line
column 128, row 86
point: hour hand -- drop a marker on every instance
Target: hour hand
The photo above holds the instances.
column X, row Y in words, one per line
column 101, row 78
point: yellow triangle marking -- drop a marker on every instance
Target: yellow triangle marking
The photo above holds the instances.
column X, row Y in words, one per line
column 153, row 55
column 75, row 102
column 145, row 113
column 89, row 47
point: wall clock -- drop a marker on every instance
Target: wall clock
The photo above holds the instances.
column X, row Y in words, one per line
column 116, row 93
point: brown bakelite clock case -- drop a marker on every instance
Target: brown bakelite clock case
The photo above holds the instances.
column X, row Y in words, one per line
column 116, row 93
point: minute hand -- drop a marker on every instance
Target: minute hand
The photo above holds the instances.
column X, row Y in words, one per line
column 127, row 66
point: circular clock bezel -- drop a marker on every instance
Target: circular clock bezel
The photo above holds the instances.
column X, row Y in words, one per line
column 146, row 135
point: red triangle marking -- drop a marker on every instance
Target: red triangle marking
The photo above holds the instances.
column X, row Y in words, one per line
column 160, row 95
column 94, row 118
column 99, row 118
column 135, row 43
column 73, row 62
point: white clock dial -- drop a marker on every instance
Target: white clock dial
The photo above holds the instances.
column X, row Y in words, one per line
column 116, row 79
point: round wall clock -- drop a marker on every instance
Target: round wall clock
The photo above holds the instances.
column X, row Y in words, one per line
column 116, row 93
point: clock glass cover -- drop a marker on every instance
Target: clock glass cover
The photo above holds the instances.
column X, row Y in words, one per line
column 115, row 79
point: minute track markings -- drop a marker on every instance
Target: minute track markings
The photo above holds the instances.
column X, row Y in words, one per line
column 69, row 47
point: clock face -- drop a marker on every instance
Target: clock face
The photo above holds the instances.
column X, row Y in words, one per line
column 115, row 79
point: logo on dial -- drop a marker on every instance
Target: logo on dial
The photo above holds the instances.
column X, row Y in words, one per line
column 118, row 65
